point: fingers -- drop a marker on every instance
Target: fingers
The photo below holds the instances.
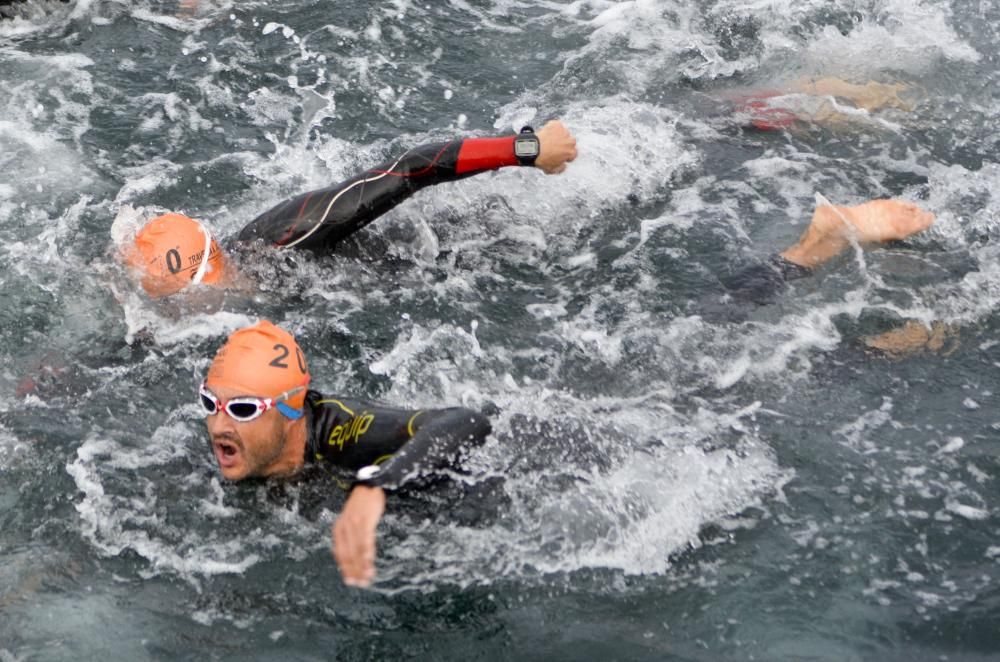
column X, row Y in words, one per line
column 357, row 561
column 566, row 140
column 554, row 128
column 354, row 551
column 354, row 535
column 557, row 147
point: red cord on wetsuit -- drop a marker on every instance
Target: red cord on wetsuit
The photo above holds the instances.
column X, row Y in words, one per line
column 479, row 154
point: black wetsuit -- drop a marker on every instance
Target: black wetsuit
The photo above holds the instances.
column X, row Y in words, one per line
column 387, row 447
column 319, row 219
column 760, row 283
column 740, row 294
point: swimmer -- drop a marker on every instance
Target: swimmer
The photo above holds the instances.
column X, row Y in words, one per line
column 827, row 100
column 264, row 420
column 869, row 224
column 832, row 230
column 173, row 251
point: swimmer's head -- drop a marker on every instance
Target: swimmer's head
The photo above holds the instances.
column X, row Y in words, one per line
column 173, row 251
column 263, row 361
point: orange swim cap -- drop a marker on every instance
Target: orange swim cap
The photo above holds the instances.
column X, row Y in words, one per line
column 262, row 360
column 174, row 251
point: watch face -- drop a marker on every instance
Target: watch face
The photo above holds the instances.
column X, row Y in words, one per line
column 526, row 147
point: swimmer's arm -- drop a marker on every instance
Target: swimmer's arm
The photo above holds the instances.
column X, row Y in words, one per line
column 321, row 218
column 437, row 437
column 354, row 535
column 556, row 148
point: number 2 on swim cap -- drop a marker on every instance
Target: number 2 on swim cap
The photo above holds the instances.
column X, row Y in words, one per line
column 279, row 360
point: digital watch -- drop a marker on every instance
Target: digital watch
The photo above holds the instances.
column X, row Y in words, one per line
column 526, row 146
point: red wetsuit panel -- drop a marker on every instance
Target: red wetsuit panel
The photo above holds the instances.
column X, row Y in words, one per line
column 479, row 154
column 763, row 115
column 321, row 218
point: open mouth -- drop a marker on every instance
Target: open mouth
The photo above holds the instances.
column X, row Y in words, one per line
column 226, row 452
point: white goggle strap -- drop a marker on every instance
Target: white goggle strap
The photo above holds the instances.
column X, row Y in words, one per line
column 203, row 267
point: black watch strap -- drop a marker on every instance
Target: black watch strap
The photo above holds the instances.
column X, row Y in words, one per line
column 526, row 146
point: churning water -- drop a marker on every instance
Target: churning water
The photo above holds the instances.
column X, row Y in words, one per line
column 662, row 484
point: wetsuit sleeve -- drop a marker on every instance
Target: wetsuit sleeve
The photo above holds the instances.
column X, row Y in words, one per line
column 760, row 283
column 438, row 438
column 319, row 219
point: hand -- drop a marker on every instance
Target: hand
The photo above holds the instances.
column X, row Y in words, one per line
column 354, row 535
column 876, row 221
column 556, row 147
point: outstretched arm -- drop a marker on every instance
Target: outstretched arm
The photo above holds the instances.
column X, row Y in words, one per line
column 436, row 438
column 319, row 219
column 870, row 96
column 829, row 234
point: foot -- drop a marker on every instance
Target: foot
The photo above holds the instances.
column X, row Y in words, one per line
column 912, row 337
column 879, row 95
column 875, row 221
column 832, row 228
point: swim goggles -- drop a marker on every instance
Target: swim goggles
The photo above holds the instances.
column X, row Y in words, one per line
column 247, row 408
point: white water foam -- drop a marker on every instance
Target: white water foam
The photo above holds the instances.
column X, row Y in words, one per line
column 648, row 504
column 141, row 523
column 913, row 36
column 632, row 517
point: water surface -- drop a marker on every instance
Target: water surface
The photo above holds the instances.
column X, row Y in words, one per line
column 662, row 484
